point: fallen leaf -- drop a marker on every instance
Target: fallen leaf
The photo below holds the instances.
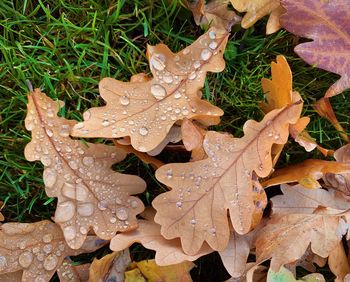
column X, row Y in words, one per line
column 340, row 181
column 214, row 13
column 192, row 138
column 306, row 173
column 37, row 249
column 148, row 234
column 171, row 273
column 134, row 275
column 285, row 238
column 324, row 108
column 256, row 9
column 11, row 277
column 287, row 276
column 111, row 267
column 329, row 28
column 173, row 136
column 196, row 209
column 338, row 262
column 146, row 111
column 89, row 192
column 68, row 272
column 298, row 199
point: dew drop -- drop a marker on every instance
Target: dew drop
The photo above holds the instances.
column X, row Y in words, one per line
column 69, row 232
column 277, row 136
column 197, row 64
column 185, row 112
column 47, row 248
column 168, row 78
column 193, row 222
column 105, row 122
column 50, row 262
column 88, row 161
column 186, row 51
column 102, row 205
column 212, row 231
column 47, row 238
column 158, row 91
column 112, row 220
column 40, row 279
column 270, row 134
column 25, row 259
column 134, row 204
column 179, row 204
column 82, row 192
column 206, row 54
column 73, row 164
column 143, row 131
column 83, row 230
column 46, row 160
column 192, row 75
column 64, row 211
column 212, row 34
column 64, row 131
column 3, row 263
column 177, row 95
column 87, row 115
column 169, row 174
column 213, row 45
column 157, row 61
column 260, row 167
column 124, row 100
column 49, row 132
column 85, row 209
column 122, row 214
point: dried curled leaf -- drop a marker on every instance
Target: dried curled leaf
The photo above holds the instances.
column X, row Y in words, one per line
column 146, row 111
column 297, row 199
column 328, row 25
column 338, row 262
column 274, row 241
column 256, row 9
column 214, row 12
column 196, row 209
column 89, row 192
column 37, row 248
column 306, row 173
column 286, row 275
column 148, row 234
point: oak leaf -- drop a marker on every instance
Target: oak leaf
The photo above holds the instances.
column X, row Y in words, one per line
column 256, row 9
column 338, row 262
column 89, row 192
column 298, row 199
column 196, row 209
column 322, row 231
column 146, row 111
column 37, row 248
column 286, row 275
column 68, row 272
column 214, row 13
column 148, row 234
column 306, row 173
column 329, row 28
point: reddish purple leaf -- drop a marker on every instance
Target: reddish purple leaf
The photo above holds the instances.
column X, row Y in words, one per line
column 328, row 24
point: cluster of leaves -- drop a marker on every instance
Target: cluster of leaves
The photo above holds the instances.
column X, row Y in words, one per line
column 216, row 201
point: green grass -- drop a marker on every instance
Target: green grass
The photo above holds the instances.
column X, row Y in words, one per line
column 66, row 47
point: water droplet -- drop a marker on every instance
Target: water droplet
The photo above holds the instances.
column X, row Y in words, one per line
column 197, row 64
column 168, row 78
column 143, row 131
column 50, row 112
column 50, row 262
column 85, row 209
column 82, row 192
column 87, row 115
column 158, row 91
column 122, row 214
column 192, row 75
column 206, row 54
column 47, row 248
column 277, row 136
column 169, row 174
column 40, row 279
column 102, row 205
column 3, row 263
column 186, row 51
column 88, row 161
column 69, row 232
column 83, row 230
column 193, row 222
column 49, row 132
column 185, row 112
column 112, row 220
column 212, row 34
column 134, row 204
column 25, row 259
column 157, row 61
column 124, row 100
column 47, row 238
column 73, row 164
column 213, row 45
column 212, row 231
column 177, row 95
column 105, row 122
column 64, row 131
column 46, row 160
column 270, row 134
column 64, row 211
column 179, row 204
column 260, row 167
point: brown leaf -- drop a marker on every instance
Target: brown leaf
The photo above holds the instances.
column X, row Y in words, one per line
column 338, row 262
column 306, row 173
column 324, row 108
column 196, row 209
column 11, row 277
column 146, row 111
column 89, row 192
column 148, row 234
column 68, row 272
column 256, row 9
column 111, row 266
column 340, row 181
column 297, row 199
column 214, row 13
column 285, row 238
column 329, row 28
column 173, row 136
column 171, row 273
column 36, row 248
